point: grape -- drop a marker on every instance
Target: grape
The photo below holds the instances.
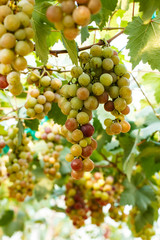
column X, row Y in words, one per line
column 71, row 124
column 2, row 30
column 45, row 81
column 109, row 106
column 107, row 122
column 93, row 144
column 54, row 14
column 107, row 64
column 125, row 92
column 87, row 151
column 129, row 100
column 84, row 57
column 4, row 11
column 20, row 63
column 72, row 90
column 68, row 21
column 115, row 59
column 68, row 6
column 76, row 71
column 96, row 62
column 123, row 81
column 83, row 93
column 50, row 96
column 120, row 104
column 82, row 1
column 11, row 23
column 8, row 40
column 56, row 83
column 13, row 78
column 77, row 135
column 47, row 107
column 81, row 15
column 120, row 69
column 66, row 108
column 107, row 52
column 91, row 103
column 73, row 113
column 116, row 128
column 6, row 56
column 106, row 79
column 84, row 79
column 97, row 89
column 71, row 33
column 109, row 132
column 24, row 19
column 83, row 143
column 88, row 165
column 29, row 33
column 20, row 34
column 125, row 126
column 127, row 75
column 103, row 98
column 5, row 68
column 114, row 92
column 82, row 118
column 87, row 130
column 3, row 82
column 94, row 6
column 22, row 48
column 41, row 99
column 76, row 150
column 31, row 102
column 38, row 108
column 96, row 51
column 76, row 103
column 26, row 7
column 126, row 110
column 30, row 112
column 69, row 157
column 77, row 175
column 114, row 76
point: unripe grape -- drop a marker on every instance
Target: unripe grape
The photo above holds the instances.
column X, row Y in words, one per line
column 120, row 104
column 71, row 33
column 83, row 143
column 20, row 63
column 68, row 21
column 82, row 93
column 129, row 100
column 49, row 96
column 120, row 69
column 68, row 6
column 4, row 11
column 64, row 91
column 12, row 23
column 114, row 76
column 115, row 59
column 107, row 52
column 76, row 150
column 116, row 128
column 107, row 64
column 66, row 108
column 82, row 118
column 71, row 124
column 107, row 122
column 123, row 82
column 38, row 108
column 97, row 89
column 84, row 57
column 41, row 99
column 35, row 93
column 31, row 102
column 47, row 107
column 5, row 68
column 125, row 126
column 96, row 62
column 73, row 113
column 13, row 78
column 91, row 103
column 29, row 32
column 96, row 51
column 30, row 112
column 56, row 83
column 72, row 90
column 24, row 19
column 40, row 115
column 114, row 92
column 69, row 157
column 6, row 56
column 20, row 34
column 27, row 7
column 22, row 48
column 94, row 6
column 106, row 79
column 127, row 75
column 45, row 81
column 125, row 92
column 109, row 106
column 77, row 135
column 2, row 30
column 16, row 89
column 76, row 71
column 76, row 103
column 8, row 40
column 54, row 14
column 84, row 79
column 81, row 15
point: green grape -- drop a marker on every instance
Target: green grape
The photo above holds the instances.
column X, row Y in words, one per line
column 24, row 19
column 56, row 83
column 114, row 92
column 97, row 89
column 64, row 91
column 2, row 30
column 77, row 135
column 127, row 75
column 29, row 32
column 123, row 81
column 38, row 108
column 68, row 21
column 20, row 34
column 35, row 93
column 40, row 115
column 95, row 62
column 72, row 90
column 107, row 64
column 82, row 118
column 22, row 48
column 76, row 150
column 5, row 68
column 12, row 23
column 47, row 107
column 83, row 143
column 129, row 100
column 6, row 56
column 84, row 79
column 84, row 57
column 76, row 71
column 120, row 104
column 91, row 103
column 16, row 89
column 106, row 79
column 31, row 102
column 89, row 87
column 96, row 51
column 20, row 63
column 114, row 76
column 66, row 108
column 76, row 103
column 120, row 70
column 41, row 99
column 107, row 52
column 107, row 122
column 30, row 112
column 115, row 59
column 4, row 11
column 45, row 81
column 73, row 113
column 50, row 96
column 125, row 92
column 8, row 40
column 26, row 7
column 13, row 78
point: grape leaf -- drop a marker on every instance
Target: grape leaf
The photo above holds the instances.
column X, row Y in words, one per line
column 6, row 217
column 57, row 115
column 143, row 42
column 3, row 131
column 109, row 4
column 142, row 219
column 32, row 124
column 71, row 48
column 20, row 132
column 84, row 34
column 101, row 18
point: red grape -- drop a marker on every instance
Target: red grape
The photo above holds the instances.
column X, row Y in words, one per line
column 109, row 106
column 103, row 98
column 77, row 175
column 77, row 164
column 87, row 151
column 3, row 82
column 71, row 124
column 87, row 130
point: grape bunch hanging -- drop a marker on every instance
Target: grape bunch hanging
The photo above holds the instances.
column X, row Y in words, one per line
column 18, row 165
column 50, row 133
column 15, row 34
column 71, row 14
column 101, row 79
column 43, row 93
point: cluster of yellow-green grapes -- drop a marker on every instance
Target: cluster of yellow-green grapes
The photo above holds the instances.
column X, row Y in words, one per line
column 15, row 34
column 92, row 193
column 70, row 14
column 18, row 165
column 43, row 94
column 50, row 133
column 146, row 233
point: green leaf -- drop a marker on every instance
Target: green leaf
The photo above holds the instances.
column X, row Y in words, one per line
column 109, row 4
column 32, row 124
column 20, row 132
column 6, row 218
column 101, row 18
column 84, row 34
column 57, row 115
column 71, row 48
column 2, row 131
column 142, row 219
column 65, row 166
column 40, row 192
column 5, row 102
column 150, row 166
column 143, row 42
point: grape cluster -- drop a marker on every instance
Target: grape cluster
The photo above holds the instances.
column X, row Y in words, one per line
column 76, row 205
column 108, row 82
column 44, row 93
column 18, row 169
column 71, row 14
column 15, row 34
column 50, row 133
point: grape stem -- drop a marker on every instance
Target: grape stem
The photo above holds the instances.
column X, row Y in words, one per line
column 133, row 9
column 97, row 29
column 100, row 43
column 154, row 111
